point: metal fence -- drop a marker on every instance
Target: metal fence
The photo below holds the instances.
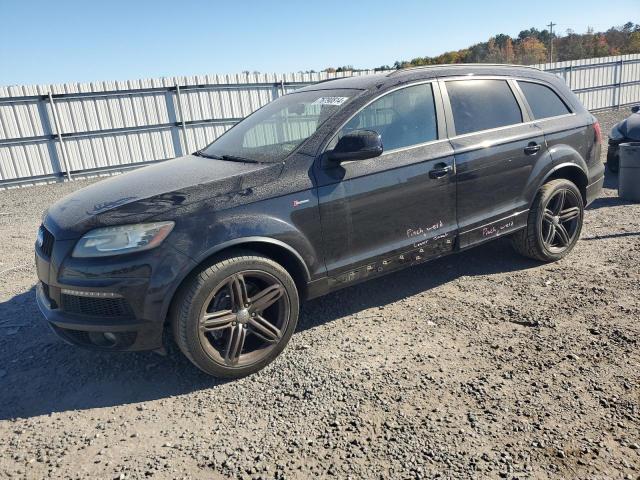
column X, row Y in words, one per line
column 601, row 83
column 49, row 132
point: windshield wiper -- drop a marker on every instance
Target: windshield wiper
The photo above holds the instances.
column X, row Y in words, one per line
column 200, row 153
column 234, row 158
column 230, row 158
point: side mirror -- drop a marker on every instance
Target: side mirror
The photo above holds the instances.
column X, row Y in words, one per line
column 357, row 145
column 635, row 109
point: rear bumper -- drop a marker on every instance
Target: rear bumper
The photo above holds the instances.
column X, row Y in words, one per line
column 594, row 189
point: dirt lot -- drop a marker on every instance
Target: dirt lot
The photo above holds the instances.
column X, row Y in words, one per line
column 482, row 365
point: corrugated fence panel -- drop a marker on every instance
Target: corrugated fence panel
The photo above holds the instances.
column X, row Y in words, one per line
column 223, row 103
column 24, row 160
column 20, row 119
column 121, row 149
column 117, row 124
column 86, row 114
column 199, row 136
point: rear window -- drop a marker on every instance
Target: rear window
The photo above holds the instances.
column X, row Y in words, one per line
column 482, row 104
column 543, row 101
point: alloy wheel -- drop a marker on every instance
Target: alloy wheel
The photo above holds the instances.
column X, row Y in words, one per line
column 561, row 220
column 244, row 318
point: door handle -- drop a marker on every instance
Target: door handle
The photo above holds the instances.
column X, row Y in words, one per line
column 440, row 170
column 532, row 148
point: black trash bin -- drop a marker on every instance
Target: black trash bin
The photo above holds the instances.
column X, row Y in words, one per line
column 629, row 176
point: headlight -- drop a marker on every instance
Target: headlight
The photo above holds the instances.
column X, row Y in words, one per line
column 40, row 237
column 615, row 134
column 103, row 242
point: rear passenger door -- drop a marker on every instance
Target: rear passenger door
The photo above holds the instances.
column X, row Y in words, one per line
column 497, row 151
column 561, row 127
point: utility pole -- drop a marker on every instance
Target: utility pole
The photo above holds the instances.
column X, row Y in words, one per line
column 551, row 25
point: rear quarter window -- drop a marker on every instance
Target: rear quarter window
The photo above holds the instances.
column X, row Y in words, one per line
column 542, row 100
column 482, row 104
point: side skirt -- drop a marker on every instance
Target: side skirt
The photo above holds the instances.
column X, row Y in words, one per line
column 418, row 255
column 493, row 230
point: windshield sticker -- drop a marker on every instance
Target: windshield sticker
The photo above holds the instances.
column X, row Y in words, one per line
column 330, row 101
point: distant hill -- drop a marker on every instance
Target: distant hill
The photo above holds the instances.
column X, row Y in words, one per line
column 532, row 46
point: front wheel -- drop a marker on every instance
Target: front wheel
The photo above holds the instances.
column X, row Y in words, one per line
column 236, row 316
column 554, row 222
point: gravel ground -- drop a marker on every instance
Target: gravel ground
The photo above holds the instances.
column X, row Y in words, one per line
column 482, row 364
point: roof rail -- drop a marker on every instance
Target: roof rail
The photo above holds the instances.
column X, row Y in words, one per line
column 330, row 79
column 461, row 65
column 347, row 76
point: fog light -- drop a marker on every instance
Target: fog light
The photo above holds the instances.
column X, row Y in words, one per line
column 84, row 293
column 110, row 336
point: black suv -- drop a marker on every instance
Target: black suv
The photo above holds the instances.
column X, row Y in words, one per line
column 334, row 184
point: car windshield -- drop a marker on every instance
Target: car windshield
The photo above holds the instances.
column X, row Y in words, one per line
column 274, row 131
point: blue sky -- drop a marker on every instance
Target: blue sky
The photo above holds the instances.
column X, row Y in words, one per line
column 66, row 41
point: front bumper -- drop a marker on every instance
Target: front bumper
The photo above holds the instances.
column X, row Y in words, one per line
column 116, row 303
column 100, row 332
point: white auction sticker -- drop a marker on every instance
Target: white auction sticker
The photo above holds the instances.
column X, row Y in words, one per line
column 330, row 101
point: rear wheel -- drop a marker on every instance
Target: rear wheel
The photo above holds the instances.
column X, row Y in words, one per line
column 236, row 316
column 554, row 223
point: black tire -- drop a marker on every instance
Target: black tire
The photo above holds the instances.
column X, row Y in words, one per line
column 215, row 336
column 553, row 226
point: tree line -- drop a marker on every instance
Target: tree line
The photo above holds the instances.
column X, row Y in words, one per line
column 532, row 46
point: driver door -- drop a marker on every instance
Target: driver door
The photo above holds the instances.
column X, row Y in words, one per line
column 399, row 208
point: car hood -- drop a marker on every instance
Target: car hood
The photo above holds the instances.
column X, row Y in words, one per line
column 154, row 190
column 630, row 127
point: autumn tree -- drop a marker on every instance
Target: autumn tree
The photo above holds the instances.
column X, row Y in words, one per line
column 531, row 50
column 531, row 46
column 634, row 43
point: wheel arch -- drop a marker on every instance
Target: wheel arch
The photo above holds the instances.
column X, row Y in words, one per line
column 271, row 248
column 572, row 172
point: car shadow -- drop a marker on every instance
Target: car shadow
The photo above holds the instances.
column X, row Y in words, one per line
column 493, row 257
column 40, row 374
column 611, row 183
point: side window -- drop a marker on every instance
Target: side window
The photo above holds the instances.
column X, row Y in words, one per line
column 482, row 104
column 543, row 101
column 405, row 117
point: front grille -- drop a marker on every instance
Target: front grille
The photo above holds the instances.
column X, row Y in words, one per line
column 97, row 339
column 96, row 307
column 47, row 242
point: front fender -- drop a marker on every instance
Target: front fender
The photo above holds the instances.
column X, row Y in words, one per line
column 238, row 242
column 280, row 222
